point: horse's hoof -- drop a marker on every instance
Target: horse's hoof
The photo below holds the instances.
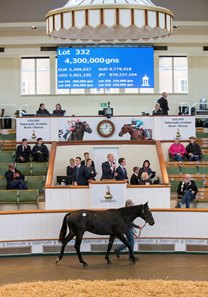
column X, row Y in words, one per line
column 57, row 260
column 132, row 259
column 85, row 264
column 109, row 262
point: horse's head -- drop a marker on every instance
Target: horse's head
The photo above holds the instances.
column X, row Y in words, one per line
column 86, row 127
column 125, row 129
column 146, row 215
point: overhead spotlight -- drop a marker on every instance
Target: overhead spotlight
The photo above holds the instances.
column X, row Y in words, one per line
column 175, row 26
column 34, row 27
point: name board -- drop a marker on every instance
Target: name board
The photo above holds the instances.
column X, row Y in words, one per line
column 33, row 128
column 177, row 127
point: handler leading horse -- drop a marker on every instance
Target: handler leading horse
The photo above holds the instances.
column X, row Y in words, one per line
column 113, row 222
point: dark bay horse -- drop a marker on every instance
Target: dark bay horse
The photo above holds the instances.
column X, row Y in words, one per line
column 113, row 222
column 78, row 133
column 136, row 134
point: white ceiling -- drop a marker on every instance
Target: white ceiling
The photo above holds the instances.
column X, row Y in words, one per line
column 35, row 10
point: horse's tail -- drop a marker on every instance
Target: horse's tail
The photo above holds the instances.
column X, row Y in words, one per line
column 63, row 230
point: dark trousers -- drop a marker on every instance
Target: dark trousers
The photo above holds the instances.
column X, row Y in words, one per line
column 130, row 238
column 18, row 184
column 40, row 158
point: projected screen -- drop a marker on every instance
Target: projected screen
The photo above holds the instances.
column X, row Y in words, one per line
column 105, row 67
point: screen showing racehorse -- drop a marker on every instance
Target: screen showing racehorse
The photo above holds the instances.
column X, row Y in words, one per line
column 105, row 67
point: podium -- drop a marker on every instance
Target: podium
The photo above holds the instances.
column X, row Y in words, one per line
column 108, row 193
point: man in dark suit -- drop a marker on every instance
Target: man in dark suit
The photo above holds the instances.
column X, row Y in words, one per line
column 79, row 177
column 40, row 151
column 86, row 157
column 109, row 168
column 164, row 103
column 121, row 170
column 23, row 152
column 134, row 180
column 69, row 171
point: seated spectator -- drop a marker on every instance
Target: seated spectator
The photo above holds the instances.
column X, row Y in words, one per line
column 157, row 110
column 79, row 176
column 40, row 151
column 134, row 180
column 90, row 170
column 193, row 150
column 177, row 150
column 145, row 180
column 42, row 111
column 15, row 179
column 109, row 168
column 69, row 171
column 121, row 170
column 146, row 168
column 86, row 157
column 187, row 191
column 58, row 111
column 23, row 152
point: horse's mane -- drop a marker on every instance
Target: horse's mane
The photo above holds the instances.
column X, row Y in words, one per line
column 131, row 210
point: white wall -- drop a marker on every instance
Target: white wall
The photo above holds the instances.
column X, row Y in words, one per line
column 39, row 229
column 89, row 104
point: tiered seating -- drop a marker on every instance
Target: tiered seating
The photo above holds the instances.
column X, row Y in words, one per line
column 24, row 168
column 3, row 183
column 35, row 182
column 8, row 197
column 28, row 197
column 203, row 142
column 198, row 171
column 201, row 132
column 7, row 134
column 187, row 167
column 30, row 168
column 19, row 197
column 8, row 145
column 7, row 156
column 34, row 177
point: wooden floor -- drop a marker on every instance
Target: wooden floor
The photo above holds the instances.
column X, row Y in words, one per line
column 152, row 266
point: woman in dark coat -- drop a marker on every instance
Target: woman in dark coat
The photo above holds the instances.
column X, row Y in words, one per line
column 146, row 168
column 58, row 112
column 90, row 170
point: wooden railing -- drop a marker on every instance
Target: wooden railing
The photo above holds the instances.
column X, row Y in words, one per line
column 21, row 212
column 49, row 178
column 163, row 169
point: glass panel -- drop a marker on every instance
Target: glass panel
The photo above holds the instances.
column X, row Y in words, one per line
column 59, row 91
column 180, row 75
column 43, row 76
column 27, row 76
column 165, row 74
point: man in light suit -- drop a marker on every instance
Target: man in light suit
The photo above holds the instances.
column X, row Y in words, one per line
column 121, row 170
column 109, row 168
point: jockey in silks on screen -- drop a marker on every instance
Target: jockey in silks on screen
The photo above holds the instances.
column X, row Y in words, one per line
column 138, row 124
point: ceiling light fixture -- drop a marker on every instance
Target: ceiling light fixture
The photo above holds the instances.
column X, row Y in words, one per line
column 109, row 21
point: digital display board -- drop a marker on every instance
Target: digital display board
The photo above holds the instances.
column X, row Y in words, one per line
column 105, row 67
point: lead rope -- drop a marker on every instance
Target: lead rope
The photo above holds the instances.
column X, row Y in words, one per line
column 140, row 230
